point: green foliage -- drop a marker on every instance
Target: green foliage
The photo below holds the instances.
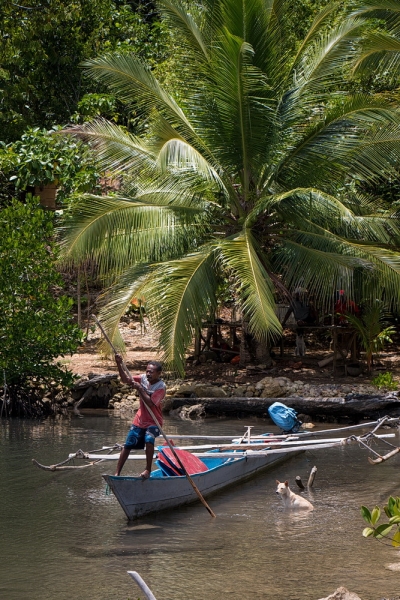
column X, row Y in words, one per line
column 96, row 105
column 137, row 28
column 385, row 381
column 41, row 157
column 246, row 170
column 392, row 511
column 35, row 321
column 42, row 46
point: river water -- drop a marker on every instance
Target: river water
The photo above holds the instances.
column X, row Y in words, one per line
column 63, row 538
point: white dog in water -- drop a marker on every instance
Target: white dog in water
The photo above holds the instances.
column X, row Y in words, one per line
column 291, row 500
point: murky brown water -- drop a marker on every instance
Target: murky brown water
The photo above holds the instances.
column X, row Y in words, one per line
column 63, row 538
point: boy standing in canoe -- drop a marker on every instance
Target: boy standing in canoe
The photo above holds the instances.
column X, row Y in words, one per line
column 142, row 434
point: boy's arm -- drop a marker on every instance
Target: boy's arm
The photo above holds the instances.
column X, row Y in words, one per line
column 122, row 373
column 135, row 384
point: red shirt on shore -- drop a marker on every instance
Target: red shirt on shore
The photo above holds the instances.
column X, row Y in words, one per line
column 345, row 307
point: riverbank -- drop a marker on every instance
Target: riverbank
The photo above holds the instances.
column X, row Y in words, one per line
column 212, row 388
column 194, row 400
column 141, row 346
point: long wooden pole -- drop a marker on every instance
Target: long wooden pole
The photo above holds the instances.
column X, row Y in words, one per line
column 192, row 483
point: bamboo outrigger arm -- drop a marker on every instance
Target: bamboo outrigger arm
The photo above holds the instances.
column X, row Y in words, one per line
column 380, row 459
column 372, row 435
column 248, row 450
column 62, row 466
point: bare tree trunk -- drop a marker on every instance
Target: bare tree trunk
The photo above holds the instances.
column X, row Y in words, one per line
column 262, row 352
column 78, row 297
column 89, row 308
column 253, row 350
column 197, row 344
column 245, row 356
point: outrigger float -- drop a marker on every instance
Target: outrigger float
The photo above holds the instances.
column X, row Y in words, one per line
column 186, row 473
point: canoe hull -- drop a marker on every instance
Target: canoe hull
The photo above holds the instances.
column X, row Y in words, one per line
column 139, row 497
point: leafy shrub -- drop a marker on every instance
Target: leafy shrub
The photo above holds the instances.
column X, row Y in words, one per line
column 41, row 157
column 392, row 511
column 35, row 318
column 385, row 381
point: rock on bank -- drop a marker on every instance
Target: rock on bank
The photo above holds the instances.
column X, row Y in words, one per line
column 325, row 401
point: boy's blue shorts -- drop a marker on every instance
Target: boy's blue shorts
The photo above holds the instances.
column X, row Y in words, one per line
column 138, row 437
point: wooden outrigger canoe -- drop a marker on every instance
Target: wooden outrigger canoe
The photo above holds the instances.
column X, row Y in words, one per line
column 139, row 497
column 221, row 465
column 225, row 467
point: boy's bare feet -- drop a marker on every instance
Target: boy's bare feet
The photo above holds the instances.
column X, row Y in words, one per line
column 145, row 474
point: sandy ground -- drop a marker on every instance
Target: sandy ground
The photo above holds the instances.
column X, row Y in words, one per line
column 140, row 340
column 141, row 344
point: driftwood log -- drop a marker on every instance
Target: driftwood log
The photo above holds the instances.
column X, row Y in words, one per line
column 353, row 406
column 95, row 392
column 97, row 380
column 311, row 477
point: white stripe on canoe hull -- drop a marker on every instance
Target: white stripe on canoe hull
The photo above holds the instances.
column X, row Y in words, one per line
column 139, row 497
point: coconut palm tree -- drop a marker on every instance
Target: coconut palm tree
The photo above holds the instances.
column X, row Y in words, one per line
column 373, row 329
column 248, row 170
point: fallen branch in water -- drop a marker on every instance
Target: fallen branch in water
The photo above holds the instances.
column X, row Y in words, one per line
column 375, row 461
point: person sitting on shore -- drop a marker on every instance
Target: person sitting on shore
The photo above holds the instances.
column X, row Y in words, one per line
column 344, row 306
column 144, row 430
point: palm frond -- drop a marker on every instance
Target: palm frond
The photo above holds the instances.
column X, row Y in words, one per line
column 381, row 54
column 179, row 296
column 237, row 112
column 317, row 269
column 134, row 83
column 324, row 264
column 385, row 256
column 316, row 211
column 258, row 23
column 240, row 256
column 376, row 152
column 116, row 150
column 383, row 279
column 320, row 23
column 383, row 9
column 345, row 142
column 180, row 20
column 307, row 202
column 320, row 67
column 172, row 153
column 117, row 232
column 118, row 299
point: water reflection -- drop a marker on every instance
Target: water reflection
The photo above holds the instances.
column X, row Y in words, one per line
column 62, row 537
